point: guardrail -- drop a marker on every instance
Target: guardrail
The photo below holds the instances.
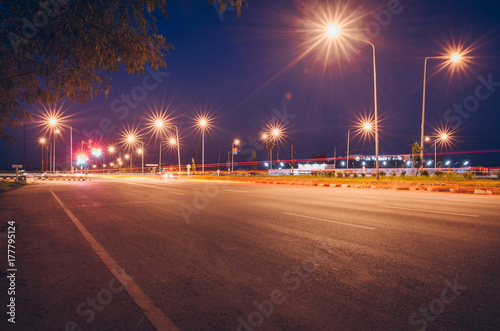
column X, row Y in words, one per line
column 13, row 176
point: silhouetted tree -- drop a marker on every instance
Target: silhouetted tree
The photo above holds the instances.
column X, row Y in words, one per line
column 70, row 48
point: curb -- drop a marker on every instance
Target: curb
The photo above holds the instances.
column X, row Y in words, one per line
column 418, row 187
column 68, row 179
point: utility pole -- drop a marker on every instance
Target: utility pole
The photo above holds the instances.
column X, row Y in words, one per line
column 24, row 147
column 335, row 158
column 218, row 162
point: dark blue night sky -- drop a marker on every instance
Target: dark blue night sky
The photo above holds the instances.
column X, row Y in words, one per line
column 245, row 72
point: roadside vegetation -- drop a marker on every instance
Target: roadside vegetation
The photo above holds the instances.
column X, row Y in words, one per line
column 9, row 185
column 439, row 178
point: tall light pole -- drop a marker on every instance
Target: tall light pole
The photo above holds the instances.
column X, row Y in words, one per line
column 333, row 30
column 54, row 123
column 348, row 139
column 454, row 58
column 443, row 137
column 159, row 125
column 174, row 141
column 141, row 151
column 54, row 151
column 364, row 126
column 268, row 142
column 235, row 142
column 42, row 142
column 130, row 141
column 203, row 125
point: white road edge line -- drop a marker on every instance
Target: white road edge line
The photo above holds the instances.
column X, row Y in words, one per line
column 152, row 312
column 156, row 186
column 470, row 201
column 325, row 220
column 429, row 211
column 237, row 191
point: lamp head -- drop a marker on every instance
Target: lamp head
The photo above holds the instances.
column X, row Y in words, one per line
column 333, row 30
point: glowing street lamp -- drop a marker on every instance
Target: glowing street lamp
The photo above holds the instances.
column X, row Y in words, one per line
column 130, row 139
column 443, row 138
column 235, row 142
column 54, row 123
column 96, row 152
column 453, row 58
column 334, row 31
column 159, row 125
column 274, row 134
column 363, row 127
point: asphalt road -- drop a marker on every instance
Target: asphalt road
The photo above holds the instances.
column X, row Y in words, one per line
column 217, row 256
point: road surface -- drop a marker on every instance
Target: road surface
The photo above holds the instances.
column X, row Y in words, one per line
column 144, row 254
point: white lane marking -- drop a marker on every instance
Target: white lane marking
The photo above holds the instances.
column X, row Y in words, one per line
column 176, row 193
column 153, row 313
column 237, row 191
column 429, row 211
column 473, row 201
column 325, row 220
column 156, row 186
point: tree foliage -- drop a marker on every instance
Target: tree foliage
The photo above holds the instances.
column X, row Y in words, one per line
column 254, row 161
column 52, row 49
column 417, row 160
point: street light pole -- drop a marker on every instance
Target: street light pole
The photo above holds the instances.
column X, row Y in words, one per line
column 71, row 147
column 270, row 158
column 376, row 110
column 54, row 153
column 334, row 30
column 203, row 151
column 235, row 142
column 435, row 155
column 454, row 58
column 178, row 149
column 232, row 158
column 375, row 106
column 348, row 138
column 159, row 162
column 423, row 112
column 142, row 154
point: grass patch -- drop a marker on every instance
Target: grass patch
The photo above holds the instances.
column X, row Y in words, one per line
column 449, row 179
column 8, row 185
